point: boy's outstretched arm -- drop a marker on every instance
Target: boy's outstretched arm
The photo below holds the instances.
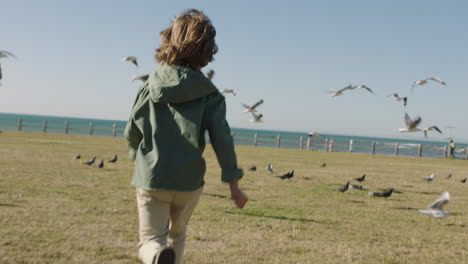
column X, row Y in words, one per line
column 223, row 145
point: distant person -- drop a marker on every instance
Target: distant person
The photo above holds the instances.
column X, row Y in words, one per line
column 452, row 149
column 165, row 133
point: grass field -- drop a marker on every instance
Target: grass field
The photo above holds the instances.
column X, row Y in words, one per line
column 53, row 209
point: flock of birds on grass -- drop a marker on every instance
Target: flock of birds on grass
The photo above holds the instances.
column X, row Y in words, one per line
column 92, row 161
column 435, row 209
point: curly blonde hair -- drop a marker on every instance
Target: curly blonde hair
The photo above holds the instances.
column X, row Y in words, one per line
column 188, row 41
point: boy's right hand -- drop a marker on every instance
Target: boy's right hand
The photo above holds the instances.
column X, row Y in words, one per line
column 240, row 199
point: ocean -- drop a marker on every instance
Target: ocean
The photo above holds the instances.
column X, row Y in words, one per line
column 242, row 136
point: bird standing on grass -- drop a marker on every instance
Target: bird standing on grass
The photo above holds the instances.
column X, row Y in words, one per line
column 430, row 178
column 323, row 165
column 90, row 162
column 253, row 168
column 343, row 188
column 288, row 175
column 385, row 194
column 113, row 160
column 78, row 156
column 463, row 181
column 101, row 164
column 361, row 179
column 269, row 168
column 436, row 209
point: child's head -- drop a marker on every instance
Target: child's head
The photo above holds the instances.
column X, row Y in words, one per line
column 188, row 41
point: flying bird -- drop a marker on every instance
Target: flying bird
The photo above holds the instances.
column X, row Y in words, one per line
column 252, row 109
column 269, row 168
column 398, row 98
column 430, row 129
column 361, row 179
column 361, row 86
column 340, row 92
column 256, row 118
column 114, row 159
column 210, row 74
column 132, row 59
column 5, row 54
column 101, row 164
column 142, row 78
column 343, row 188
column 384, row 194
column 430, row 178
column 90, row 162
column 423, row 82
column 436, row 209
column 226, row 91
column 411, row 125
column 78, row 156
column 288, row 175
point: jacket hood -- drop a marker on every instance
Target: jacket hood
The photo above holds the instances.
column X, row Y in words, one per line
column 178, row 84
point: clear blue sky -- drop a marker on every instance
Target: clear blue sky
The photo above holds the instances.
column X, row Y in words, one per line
column 289, row 53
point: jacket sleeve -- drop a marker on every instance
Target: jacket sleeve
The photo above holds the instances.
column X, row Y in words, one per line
column 221, row 138
column 134, row 138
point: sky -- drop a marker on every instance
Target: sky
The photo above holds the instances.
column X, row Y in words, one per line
column 291, row 54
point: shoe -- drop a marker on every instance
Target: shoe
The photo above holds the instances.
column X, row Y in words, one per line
column 165, row 256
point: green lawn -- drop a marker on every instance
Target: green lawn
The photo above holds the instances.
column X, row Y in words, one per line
column 53, row 209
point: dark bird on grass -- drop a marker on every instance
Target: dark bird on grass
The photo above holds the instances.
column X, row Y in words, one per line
column 356, row 186
column 463, row 181
column 78, row 156
column 323, row 165
column 288, row 175
column 101, row 164
column 113, row 160
column 449, row 176
column 343, row 188
column 90, row 162
column 385, row 194
column 361, row 179
column 269, row 168
column 430, row 178
column 253, row 168
column 436, row 209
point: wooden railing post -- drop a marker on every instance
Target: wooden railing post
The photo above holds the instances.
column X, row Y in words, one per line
column 20, row 124
column 420, row 150
column 44, row 126
column 114, row 129
column 90, row 128
column 67, row 127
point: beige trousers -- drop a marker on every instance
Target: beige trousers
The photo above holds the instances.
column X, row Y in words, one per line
column 162, row 215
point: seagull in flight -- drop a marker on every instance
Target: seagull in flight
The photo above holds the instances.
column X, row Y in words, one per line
column 269, row 168
column 133, row 59
column 210, row 74
column 398, row 98
column 142, row 78
column 423, row 82
column 340, row 92
column 361, row 86
column 436, row 209
column 256, row 118
column 430, row 129
column 411, row 125
column 252, row 109
column 5, row 54
column 226, row 91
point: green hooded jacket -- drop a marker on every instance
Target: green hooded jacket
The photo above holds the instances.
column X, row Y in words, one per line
column 166, row 130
